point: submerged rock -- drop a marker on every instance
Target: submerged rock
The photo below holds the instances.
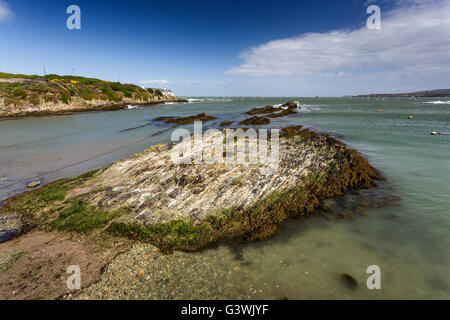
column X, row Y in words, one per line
column 255, row 121
column 188, row 206
column 349, row 280
column 186, row 120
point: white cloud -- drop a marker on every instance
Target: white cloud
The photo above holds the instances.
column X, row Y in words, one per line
column 5, row 12
column 154, row 83
column 414, row 40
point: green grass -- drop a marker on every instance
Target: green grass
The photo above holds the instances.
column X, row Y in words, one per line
column 8, row 89
column 87, row 94
column 29, row 204
column 81, row 80
column 111, row 94
column 20, row 93
column 8, row 258
column 34, row 100
column 4, row 75
column 55, row 88
column 65, row 96
column 81, row 217
column 172, row 234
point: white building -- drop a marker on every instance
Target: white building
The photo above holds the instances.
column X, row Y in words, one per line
column 167, row 92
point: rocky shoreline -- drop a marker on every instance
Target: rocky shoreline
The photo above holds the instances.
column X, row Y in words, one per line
column 163, row 207
column 81, row 106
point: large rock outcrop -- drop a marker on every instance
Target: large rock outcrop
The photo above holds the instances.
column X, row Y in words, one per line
column 188, row 206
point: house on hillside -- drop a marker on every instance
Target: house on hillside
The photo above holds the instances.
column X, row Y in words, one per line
column 167, row 92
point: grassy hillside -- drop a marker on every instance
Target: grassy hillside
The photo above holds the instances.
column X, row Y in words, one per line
column 19, row 89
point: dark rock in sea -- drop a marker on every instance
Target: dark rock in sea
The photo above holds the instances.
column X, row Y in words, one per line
column 288, row 108
column 226, row 123
column 186, row 120
column 349, row 280
column 255, row 121
column 264, row 110
column 283, row 113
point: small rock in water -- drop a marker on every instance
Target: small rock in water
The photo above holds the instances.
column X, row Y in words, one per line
column 33, row 184
column 351, row 282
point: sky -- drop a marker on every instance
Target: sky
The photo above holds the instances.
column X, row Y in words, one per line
column 235, row 48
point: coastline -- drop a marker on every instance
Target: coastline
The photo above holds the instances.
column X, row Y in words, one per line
column 64, row 109
column 25, row 95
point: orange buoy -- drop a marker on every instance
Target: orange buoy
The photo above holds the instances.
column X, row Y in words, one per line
column 410, row 117
column 379, row 110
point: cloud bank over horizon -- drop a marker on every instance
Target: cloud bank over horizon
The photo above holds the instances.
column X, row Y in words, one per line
column 414, row 41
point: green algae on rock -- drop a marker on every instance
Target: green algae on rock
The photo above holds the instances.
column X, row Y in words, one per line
column 189, row 206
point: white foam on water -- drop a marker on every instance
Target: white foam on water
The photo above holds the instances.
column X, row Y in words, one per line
column 194, row 100
column 309, row 107
column 438, row 102
column 197, row 100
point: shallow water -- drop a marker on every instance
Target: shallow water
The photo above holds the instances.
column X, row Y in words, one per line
column 409, row 241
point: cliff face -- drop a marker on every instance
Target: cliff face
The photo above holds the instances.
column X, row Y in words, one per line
column 188, row 206
column 55, row 94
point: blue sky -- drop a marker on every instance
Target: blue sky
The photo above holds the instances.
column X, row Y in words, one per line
column 234, row 48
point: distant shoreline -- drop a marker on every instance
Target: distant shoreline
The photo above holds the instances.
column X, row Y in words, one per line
column 441, row 93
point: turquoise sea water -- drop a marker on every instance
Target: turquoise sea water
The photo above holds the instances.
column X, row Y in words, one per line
column 409, row 240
